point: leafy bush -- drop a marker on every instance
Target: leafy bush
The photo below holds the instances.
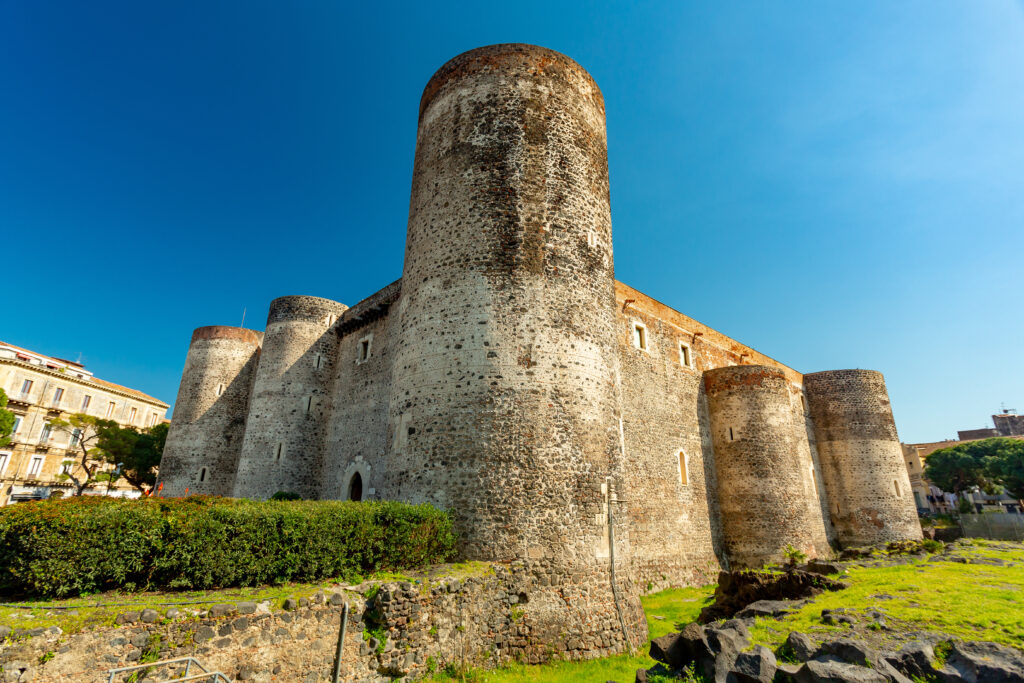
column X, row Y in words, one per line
column 89, row 544
column 285, row 495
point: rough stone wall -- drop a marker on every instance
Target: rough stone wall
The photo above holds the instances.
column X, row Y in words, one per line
column 290, row 406
column 206, row 434
column 1008, row 424
column 504, row 404
column 676, row 534
column 358, row 436
column 861, row 458
column 766, row 495
column 397, row 630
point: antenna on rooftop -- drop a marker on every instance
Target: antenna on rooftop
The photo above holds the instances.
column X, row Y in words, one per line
column 243, row 317
column 78, row 358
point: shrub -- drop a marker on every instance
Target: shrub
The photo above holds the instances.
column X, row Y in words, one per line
column 89, row 544
column 285, row 495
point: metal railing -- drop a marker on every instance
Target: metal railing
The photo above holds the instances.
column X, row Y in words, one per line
column 189, row 662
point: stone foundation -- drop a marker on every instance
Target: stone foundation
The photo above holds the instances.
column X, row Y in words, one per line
column 401, row 629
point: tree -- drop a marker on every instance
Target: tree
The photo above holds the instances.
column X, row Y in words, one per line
column 83, row 449
column 136, row 454
column 6, row 420
column 1007, row 465
column 959, row 468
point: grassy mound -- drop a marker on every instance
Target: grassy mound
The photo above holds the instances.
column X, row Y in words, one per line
column 90, row 544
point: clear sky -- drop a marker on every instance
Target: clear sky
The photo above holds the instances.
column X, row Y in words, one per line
column 837, row 184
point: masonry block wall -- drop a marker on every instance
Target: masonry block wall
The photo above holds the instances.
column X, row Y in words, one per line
column 205, row 438
column 861, row 459
column 568, row 421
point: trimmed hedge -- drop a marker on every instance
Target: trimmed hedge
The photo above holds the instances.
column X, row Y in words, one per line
column 82, row 545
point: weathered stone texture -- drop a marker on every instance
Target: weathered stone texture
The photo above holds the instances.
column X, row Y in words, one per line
column 861, row 459
column 766, row 492
column 676, row 538
column 290, row 406
column 205, row 437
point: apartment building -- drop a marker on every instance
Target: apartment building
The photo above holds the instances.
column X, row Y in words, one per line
column 42, row 389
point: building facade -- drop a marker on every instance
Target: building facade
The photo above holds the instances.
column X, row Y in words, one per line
column 568, row 421
column 41, row 389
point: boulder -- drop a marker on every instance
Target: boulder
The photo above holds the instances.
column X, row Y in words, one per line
column 832, row 670
column 914, row 659
column 979, row 662
column 859, row 653
column 823, row 568
column 758, row 666
column 149, row 616
column 678, row 650
column 738, row 589
column 800, row 646
column 766, row 608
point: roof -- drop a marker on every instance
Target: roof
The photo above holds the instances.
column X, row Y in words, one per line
column 89, row 378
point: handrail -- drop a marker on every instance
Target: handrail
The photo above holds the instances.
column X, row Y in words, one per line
column 189, row 662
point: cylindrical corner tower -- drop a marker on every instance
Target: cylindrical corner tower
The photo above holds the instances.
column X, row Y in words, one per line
column 284, row 439
column 861, row 459
column 764, row 470
column 504, row 405
column 205, row 438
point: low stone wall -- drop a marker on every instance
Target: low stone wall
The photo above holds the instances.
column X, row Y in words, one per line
column 401, row 629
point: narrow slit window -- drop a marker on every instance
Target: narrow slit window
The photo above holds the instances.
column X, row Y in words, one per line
column 220, row 389
column 202, row 475
column 319, row 361
column 309, row 404
column 896, row 484
column 640, row 336
column 280, row 446
column 58, row 394
column 131, row 416
column 814, row 480
column 86, row 400
column 365, row 349
column 685, row 357
column 731, row 437
column 684, row 469
column 803, row 403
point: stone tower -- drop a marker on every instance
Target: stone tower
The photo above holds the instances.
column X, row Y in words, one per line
column 861, row 459
column 504, row 403
column 205, row 439
column 766, row 489
column 289, row 408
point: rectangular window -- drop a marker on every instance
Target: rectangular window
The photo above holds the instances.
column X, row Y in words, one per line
column 131, row 415
column 36, row 466
column 365, row 349
column 685, row 358
column 86, row 400
column 153, row 418
column 58, row 394
column 639, row 336
column 75, row 436
column 110, row 409
column 4, row 459
column 26, row 388
column 44, row 435
column 202, row 475
column 17, row 424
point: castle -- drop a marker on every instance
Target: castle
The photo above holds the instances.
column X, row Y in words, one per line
column 574, row 426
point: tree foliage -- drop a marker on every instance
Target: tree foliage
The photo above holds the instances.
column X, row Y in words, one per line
column 86, row 459
column 6, row 420
column 135, row 454
column 988, row 464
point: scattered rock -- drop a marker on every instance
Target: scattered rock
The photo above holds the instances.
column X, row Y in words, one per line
column 800, row 646
column 149, row 616
column 914, row 659
column 129, row 617
column 767, row 608
column 758, row 666
column 246, row 607
column 291, row 604
column 221, row 610
column 832, row 670
column 986, row 663
column 173, row 613
column 738, row 589
column 823, row 568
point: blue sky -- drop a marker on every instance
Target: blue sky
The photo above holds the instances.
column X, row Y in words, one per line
column 836, row 184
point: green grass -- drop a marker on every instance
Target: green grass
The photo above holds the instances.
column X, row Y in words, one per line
column 972, row 601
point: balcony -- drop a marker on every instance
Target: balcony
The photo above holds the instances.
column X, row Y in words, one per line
column 20, row 399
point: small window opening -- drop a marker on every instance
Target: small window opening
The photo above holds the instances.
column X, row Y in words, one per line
column 279, row 447
column 220, row 389
column 730, row 434
column 309, row 404
column 814, row 480
column 803, row 403
column 319, row 361
column 899, row 494
column 202, row 474
column 684, row 474
column 591, row 239
column 355, row 488
column 364, row 349
column 684, row 356
column 640, row 336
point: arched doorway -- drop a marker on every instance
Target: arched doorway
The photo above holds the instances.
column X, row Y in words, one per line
column 355, row 487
